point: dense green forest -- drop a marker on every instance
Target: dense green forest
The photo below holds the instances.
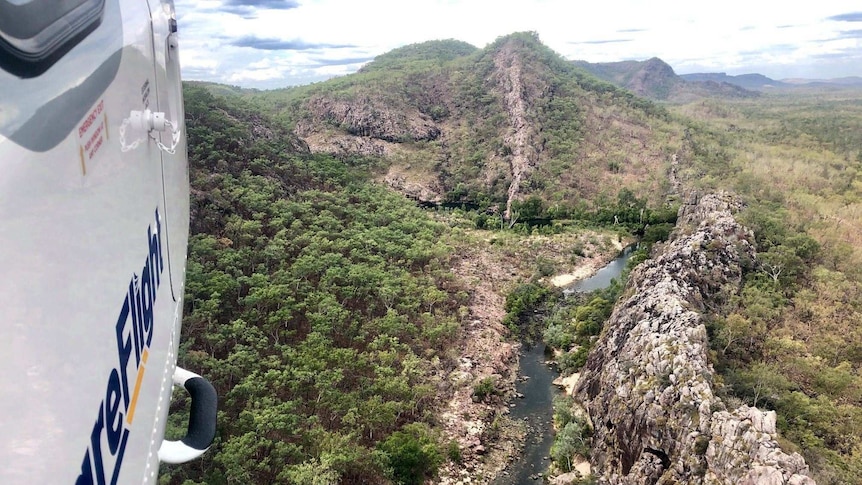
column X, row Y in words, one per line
column 318, row 305
column 323, row 307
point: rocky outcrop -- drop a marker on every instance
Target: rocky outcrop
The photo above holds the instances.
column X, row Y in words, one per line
column 648, row 386
column 743, row 451
column 340, row 145
column 427, row 191
column 367, row 118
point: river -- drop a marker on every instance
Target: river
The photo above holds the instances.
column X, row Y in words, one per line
column 603, row 277
column 536, row 407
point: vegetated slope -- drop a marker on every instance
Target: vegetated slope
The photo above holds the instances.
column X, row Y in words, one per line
column 489, row 126
column 317, row 304
column 790, row 339
column 433, row 52
column 655, row 79
column 652, row 78
column 325, row 310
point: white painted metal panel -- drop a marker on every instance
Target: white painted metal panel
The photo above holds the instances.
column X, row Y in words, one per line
column 89, row 320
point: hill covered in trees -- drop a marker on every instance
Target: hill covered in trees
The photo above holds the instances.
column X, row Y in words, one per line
column 489, row 127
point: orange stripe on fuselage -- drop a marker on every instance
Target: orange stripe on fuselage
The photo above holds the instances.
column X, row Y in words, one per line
column 131, row 415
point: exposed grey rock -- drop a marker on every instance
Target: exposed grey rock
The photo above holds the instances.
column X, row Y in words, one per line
column 648, row 386
column 365, row 117
column 418, row 191
column 747, row 452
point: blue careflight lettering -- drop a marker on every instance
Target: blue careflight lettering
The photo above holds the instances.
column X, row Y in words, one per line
column 134, row 329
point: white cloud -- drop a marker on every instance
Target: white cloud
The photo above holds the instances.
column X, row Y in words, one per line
column 733, row 35
column 255, row 75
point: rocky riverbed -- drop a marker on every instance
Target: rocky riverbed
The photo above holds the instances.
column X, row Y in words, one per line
column 491, row 264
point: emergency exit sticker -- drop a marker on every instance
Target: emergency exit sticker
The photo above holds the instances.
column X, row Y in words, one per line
column 92, row 134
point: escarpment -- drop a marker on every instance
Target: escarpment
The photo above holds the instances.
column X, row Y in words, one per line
column 648, row 385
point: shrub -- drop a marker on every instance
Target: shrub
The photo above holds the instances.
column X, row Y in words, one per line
column 570, row 362
column 701, row 443
column 579, row 250
column 522, row 299
column 572, row 440
column 453, row 451
column 485, row 388
column 558, row 336
column 657, row 232
column 563, row 411
column 545, row 267
column 412, row 454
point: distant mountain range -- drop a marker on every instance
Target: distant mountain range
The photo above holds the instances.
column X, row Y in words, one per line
column 655, row 79
column 747, row 81
column 759, row 81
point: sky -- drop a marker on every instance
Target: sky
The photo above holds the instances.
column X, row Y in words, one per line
column 269, row 44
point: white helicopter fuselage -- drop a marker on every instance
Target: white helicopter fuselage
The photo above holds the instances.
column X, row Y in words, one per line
column 94, row 221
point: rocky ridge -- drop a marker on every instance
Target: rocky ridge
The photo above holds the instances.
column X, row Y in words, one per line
column 519, row 134
column 648, row 385
column 364, row 117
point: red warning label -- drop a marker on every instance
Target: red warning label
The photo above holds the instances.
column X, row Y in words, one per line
column 92, row 133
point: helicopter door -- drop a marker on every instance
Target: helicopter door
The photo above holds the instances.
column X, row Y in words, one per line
column 175, row 174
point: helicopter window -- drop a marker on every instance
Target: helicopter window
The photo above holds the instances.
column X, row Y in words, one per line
column 34, row 34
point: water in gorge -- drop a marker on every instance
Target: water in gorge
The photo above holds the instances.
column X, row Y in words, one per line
column 536, row 385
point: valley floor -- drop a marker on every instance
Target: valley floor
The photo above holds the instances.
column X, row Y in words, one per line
column 492, row 264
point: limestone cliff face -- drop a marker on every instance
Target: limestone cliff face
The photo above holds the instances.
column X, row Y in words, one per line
column 648, row 386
